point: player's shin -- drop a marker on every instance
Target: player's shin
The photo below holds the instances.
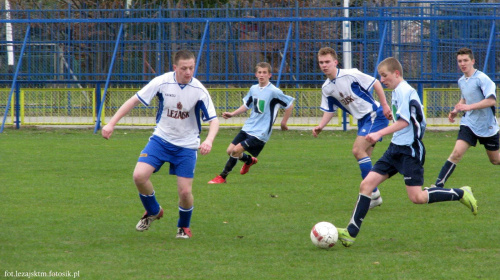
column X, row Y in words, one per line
column 358, row 215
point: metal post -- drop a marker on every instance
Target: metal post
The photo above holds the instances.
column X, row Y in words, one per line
column 110, row 71
column 283, row 60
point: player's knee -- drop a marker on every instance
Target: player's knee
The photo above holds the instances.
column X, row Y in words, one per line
column 419, row 198
column 140, row 178
column 455, row 157
column 185, row 195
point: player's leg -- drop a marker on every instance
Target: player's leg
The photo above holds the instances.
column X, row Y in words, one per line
column 184, row 188
column 253, row 146
column 348, row 235
column 436, row 194
column 362, row 150
column 492, row 145
column 457, row 154
column 142, row 174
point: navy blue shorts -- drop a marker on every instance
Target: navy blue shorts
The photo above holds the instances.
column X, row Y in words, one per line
column 489, row 143
column 406, row 160
column 251, row 144
column 158, row 151
column 368, row 125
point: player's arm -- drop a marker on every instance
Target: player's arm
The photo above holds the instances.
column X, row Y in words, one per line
column 286, row 116
column 327, row 116
column 379, row 90
column 485, row 103
column 227, row 115
column 375, row 136
column 206, row 146
column 107, row 130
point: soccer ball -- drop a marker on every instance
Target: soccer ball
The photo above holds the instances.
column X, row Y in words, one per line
column 324, row 235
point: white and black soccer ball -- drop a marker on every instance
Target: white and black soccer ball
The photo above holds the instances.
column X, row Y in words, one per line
column 324, row 235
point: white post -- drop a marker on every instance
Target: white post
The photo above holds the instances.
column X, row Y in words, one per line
column 8, row 36
column 346, row 36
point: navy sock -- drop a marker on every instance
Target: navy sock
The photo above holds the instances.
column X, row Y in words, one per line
column 441, row 194
column 184, row 217
column 445, row 173
column 365, row 165
column 362, row 207
column 231, row 162
column 150, row 203
column 246, row 158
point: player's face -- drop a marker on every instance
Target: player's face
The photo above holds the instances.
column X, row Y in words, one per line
column 328, row 65
column 263, row 75
column 390, row 80
column 466, row 64
column 184, row 70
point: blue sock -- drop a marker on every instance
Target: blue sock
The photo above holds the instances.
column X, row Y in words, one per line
column 150, row 203
column 365, row 165
column 441, row 194
column 362, row 207
column 184, row 217
column 445, row 173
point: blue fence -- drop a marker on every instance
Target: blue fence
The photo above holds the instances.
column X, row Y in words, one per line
column 119, row 47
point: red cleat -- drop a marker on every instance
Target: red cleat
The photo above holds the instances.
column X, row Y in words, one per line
column 246, row 167
column 183, row 232
column 217, row 180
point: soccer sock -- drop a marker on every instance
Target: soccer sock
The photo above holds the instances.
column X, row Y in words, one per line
column 441, row 194
column 365, row 165
column 184, row 217
column 150, row 203
column 246, row 158
column 362, row 206
column 445, row 173
column 231, row 162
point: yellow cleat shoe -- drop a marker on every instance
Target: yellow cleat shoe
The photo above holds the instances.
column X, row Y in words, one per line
column 344, row 237
column 469, row 200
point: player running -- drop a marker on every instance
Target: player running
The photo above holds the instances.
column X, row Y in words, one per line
column 175, row 139
column 264, row 99
column 349, row 89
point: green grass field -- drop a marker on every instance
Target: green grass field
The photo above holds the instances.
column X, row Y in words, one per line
column 69, row 205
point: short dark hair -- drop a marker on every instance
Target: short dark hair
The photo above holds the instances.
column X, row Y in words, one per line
column 184, row 55
column 466, row 51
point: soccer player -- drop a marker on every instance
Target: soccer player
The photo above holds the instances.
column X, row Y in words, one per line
column 479, row 121
column 264, row 99
column 350, row 89
column 405, row 154
column 175, row 139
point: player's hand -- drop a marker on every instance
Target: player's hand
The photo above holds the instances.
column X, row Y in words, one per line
column 284, row 127
column 106, row 131
column 451, row 116
column 316, row 131
column 461, row 107
column 388, row 112
column 205, row 147
column 373, row 137
column 227, row 115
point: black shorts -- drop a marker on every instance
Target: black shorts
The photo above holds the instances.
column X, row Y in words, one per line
column 490, row 143
column 251, row 144
column 406, row 160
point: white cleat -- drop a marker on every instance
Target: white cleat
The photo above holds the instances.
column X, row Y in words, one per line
column 376, row 199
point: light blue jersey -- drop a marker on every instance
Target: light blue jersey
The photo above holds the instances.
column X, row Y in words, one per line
column 474, row 89
column 406, row 105
column 264, row 103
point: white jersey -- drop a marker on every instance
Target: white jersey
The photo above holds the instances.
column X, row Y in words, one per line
column 351, row 92
column 475, row 89
column 178, row 117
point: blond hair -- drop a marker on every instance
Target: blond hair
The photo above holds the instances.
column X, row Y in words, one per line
column 392, row 65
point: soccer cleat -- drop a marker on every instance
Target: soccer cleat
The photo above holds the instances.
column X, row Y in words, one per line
column 376, row 199
column 146, row 220
column 246, row 167
column 469, row 200
column 217, row 180
column 344, row 237
column 183, row 232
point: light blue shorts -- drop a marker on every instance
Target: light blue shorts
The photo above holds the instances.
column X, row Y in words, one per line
column 158, row 151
